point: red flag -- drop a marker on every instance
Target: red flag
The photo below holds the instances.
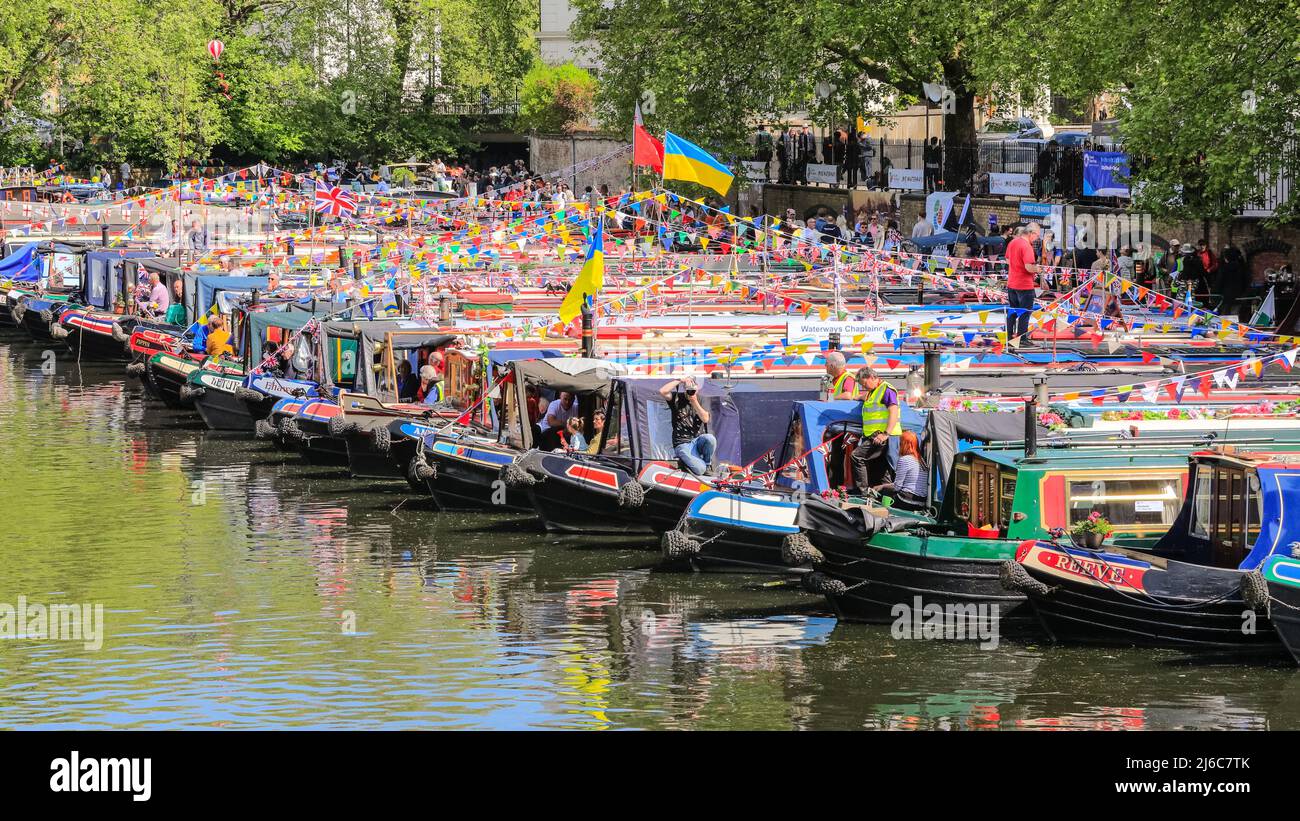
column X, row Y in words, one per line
column 646, row 150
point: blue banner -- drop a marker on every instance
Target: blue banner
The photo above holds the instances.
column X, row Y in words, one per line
column 1105, row 174
column 1035, row 210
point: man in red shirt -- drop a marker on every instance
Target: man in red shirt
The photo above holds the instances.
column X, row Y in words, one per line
column 1021, row 273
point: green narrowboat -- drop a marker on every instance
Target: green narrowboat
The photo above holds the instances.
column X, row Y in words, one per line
column 994, row 500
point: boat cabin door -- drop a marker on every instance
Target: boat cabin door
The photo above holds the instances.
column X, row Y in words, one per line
column 1227, row 511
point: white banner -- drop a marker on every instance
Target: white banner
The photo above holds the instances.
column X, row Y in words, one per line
column 908, row 179
column 754, row 170
column 818, row 172
column 1014, row 184
column 937, row 208
column 804, row 331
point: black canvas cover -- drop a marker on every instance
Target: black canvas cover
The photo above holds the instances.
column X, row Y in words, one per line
column 945, row 429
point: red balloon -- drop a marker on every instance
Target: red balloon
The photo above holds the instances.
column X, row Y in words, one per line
column 215, row 47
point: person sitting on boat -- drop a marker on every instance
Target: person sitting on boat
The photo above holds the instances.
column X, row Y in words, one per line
column 407, row 384
column 218, row 338
column 158, row 301
column 573, row 438
column 430, row 390
column 176, row 310
column 881, row 426
column 693, row 445
column 839, row 383
column 558, row 414
column 597, row 426
column 908, row 487
column 534, row 405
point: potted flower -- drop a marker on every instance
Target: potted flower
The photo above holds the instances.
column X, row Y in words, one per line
column 1092, row 531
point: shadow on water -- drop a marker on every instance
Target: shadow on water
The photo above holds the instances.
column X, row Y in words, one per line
column 243, row 588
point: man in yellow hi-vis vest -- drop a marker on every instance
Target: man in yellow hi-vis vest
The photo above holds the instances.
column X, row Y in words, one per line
column 875, row 456
column 840, row 384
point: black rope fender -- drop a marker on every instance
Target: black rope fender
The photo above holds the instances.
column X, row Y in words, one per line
column 676, row 545
column 631, row 495
column 797, row 549
column 1015, row 578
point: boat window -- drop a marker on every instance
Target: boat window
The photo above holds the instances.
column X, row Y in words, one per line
column 342, row 357
column 1200, row 524
column 962, row 484
column 615, row 441
column 1254, row 509
column 1008, row 497
column 1149, row 503
column 797, row 469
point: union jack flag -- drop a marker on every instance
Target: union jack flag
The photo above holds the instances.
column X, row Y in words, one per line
column 334, row 201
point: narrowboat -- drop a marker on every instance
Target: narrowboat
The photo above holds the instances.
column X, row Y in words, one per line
column 471, row 462
column 1190, row 590
column 632, row 481
column 236, row 404
column 743, row 525
column 866, row 560
column 103, row 319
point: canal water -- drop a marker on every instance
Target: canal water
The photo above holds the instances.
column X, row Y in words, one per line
column 242, row 588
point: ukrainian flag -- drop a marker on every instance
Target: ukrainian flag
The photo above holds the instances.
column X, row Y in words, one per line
column 590, row 279
column 685, row 160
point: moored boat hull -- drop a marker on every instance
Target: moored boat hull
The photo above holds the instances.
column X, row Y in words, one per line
column 580, row 495
column 1131, row 599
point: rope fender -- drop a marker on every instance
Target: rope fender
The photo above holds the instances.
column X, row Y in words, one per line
column 515, row 475
column 244, row 394
column 340, row 426
column 631, row 495
column 381, row 440
column 419, row 470
column 120, row 335
column 1015, row 578
column 289, row 430
column 264, row 429
column 17, row 313
column 797, row 549
column 677, row 545
column 47, row 316
column 135, row 369
column 191, row 392
column 823, row 585
column 57, row 331
column 1254, row 590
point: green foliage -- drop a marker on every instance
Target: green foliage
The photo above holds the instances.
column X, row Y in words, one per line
column 372, row 79
column 1183, row 67
column 556, row 99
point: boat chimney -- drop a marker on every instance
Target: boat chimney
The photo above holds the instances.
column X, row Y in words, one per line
column 588, row 334
column 833, row 341
column 444, row 308
column 1040, row 389
column 1031, row 427
column 931, row 367
column 103, row 235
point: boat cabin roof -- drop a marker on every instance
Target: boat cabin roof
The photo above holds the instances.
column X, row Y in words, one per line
column 1119, row 456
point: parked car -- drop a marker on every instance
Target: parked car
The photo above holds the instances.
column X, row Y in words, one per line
column 1015, row 128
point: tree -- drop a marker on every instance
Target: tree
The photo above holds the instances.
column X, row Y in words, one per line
column 714, row 68
column 1211, row 93
column 556, row 99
